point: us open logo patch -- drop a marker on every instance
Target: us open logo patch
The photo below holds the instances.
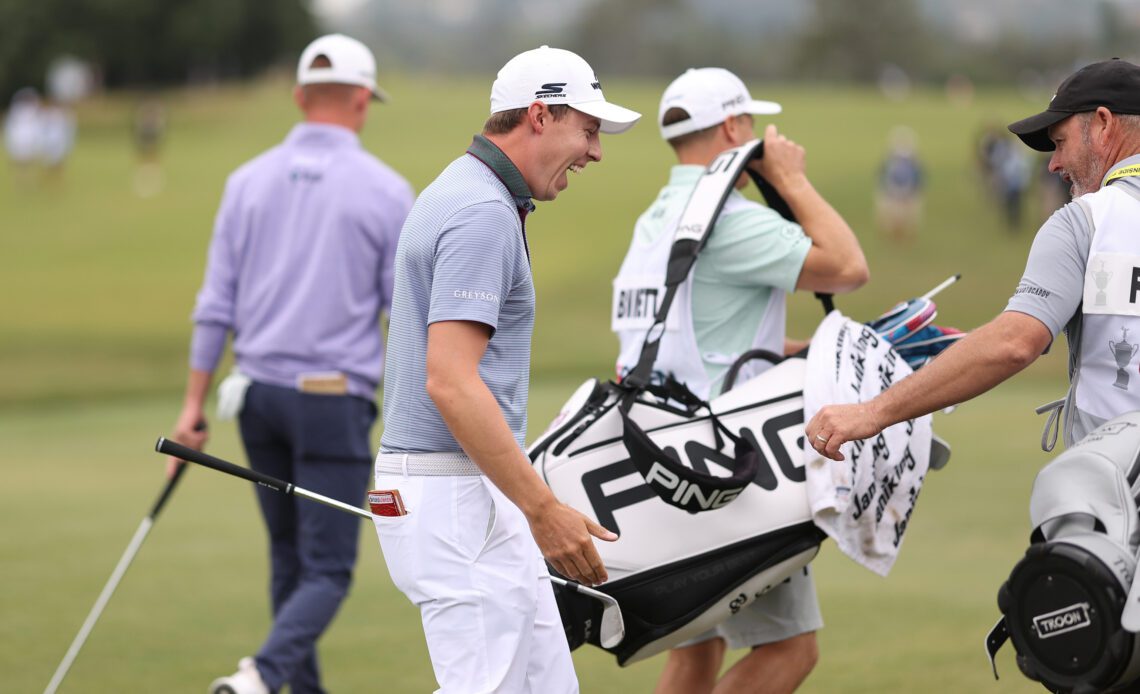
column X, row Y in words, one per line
column 1062, row 621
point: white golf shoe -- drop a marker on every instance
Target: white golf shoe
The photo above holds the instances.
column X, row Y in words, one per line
column 247, row 680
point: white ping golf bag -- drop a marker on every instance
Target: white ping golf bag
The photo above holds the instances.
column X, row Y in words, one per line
column 1071, row 605
column 617, row 451
column 677, row 571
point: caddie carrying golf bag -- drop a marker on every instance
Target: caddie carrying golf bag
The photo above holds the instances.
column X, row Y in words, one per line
column 615, row 452
column 1071, row 606
column 708, row 498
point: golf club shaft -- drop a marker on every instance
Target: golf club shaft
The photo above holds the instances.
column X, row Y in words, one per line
column 584, row 590
column 113, row 582
column 169, row 447
column 945, row 283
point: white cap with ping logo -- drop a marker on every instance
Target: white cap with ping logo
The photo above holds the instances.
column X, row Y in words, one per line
column 556, row 76
column 709, row 94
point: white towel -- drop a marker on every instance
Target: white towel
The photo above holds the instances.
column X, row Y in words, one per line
column 865, row 501
column 231, row 394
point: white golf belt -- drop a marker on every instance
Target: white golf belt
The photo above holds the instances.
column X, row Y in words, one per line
column 455, row 464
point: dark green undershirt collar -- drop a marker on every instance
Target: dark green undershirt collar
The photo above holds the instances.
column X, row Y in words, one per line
column 487, row 152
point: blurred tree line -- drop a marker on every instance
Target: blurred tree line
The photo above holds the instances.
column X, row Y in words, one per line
column 148, row 42
column 845, row 40
column 821, row 40
column 159, row 42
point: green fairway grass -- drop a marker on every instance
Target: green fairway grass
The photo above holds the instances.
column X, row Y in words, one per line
column 80, row 478
column 98, row 284
column 97, row 288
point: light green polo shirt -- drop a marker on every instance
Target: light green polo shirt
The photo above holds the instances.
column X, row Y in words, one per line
column 752, row 249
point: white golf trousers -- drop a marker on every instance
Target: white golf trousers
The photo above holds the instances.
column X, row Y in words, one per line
column 465, row 556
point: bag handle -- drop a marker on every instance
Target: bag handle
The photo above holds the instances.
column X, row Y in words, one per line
column 734, row 370
column 682, row 486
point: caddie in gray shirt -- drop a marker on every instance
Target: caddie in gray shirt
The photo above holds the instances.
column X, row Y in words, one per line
column 1083, row 276
column 463, row 519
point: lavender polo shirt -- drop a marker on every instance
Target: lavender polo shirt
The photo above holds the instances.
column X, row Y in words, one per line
column 462, row 256
column 300, row 265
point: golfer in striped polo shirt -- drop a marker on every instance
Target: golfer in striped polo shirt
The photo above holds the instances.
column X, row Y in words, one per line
column 469, row 549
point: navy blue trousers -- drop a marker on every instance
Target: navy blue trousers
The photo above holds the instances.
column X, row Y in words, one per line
column 319, row 443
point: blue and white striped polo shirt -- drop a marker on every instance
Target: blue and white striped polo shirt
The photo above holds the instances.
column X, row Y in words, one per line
column 462, row 255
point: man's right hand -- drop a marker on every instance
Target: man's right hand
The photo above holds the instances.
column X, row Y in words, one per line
column 563, row 534
column 783, row 162
column 190, row 430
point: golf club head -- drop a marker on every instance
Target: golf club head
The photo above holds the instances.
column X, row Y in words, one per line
column 896, row 310
column 900, row 325
column 613, row 625
column 611, row 632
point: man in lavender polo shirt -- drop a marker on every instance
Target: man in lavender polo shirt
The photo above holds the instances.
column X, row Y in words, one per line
column 469, row 549
column 299, row 271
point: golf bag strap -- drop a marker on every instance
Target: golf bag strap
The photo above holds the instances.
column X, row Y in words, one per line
column 1052, row 423
column 995, row 640
column 693, row 231
column 675, row 483
column 775, row 201
column 672, row 389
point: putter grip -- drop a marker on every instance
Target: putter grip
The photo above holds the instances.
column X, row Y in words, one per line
column 177, row 450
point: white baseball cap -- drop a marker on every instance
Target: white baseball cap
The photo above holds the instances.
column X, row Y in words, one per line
column 554, row 76
column 350, row 62
column 709, row 95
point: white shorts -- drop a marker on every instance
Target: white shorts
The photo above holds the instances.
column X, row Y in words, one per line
column 465, row 556
column 789, row 609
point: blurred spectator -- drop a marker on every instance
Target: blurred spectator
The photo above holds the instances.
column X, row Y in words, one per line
column 898, row 201
column 22, row 131
column 959, row 90
column 69, row 79
column 147, row 132
column 38, row 134
column 1012, row 171
column 986, row 142
column 1054, row 192
column 893, row 82
column 57, row 135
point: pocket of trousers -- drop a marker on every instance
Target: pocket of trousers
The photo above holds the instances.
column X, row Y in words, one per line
column 396, row 533
column 411, row 493
column 492, row 520
column 473, row 517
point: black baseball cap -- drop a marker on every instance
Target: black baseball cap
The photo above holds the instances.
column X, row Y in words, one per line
column 1114, row 84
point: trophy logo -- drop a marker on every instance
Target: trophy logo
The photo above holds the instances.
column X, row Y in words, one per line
column 1101, row 277
column 1123, row 352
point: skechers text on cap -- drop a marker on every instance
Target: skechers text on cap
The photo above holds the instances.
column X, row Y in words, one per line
column 1114, row 84
column 708, row 95
column 555, row 76
column 350, row 62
